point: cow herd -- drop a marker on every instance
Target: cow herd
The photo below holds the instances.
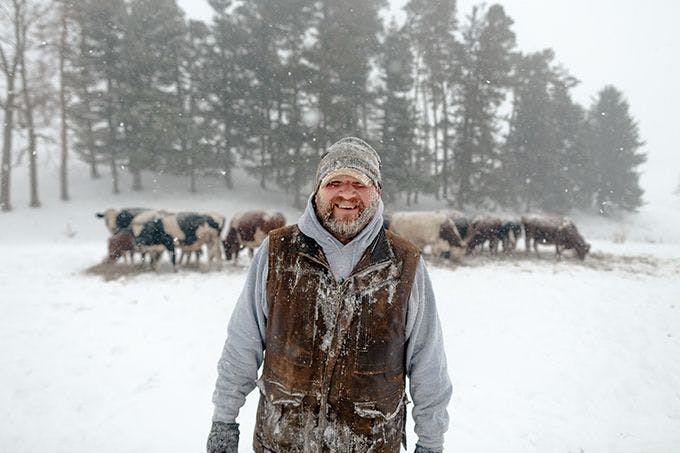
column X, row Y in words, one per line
column 449, row 234
column 150, row 232
column 453, row 234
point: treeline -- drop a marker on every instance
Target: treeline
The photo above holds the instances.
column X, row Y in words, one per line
column 454, row 108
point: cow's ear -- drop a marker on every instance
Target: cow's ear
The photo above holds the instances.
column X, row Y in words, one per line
column 99, row 214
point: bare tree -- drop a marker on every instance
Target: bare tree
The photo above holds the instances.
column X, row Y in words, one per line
column 11, row 48
column 63, row 34
column 31, row 14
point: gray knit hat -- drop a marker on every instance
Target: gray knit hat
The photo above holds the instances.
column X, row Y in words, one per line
column 350, row 156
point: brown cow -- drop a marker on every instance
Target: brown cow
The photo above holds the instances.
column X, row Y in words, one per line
column 553, row 229
column 121, row 244
column 249, row 229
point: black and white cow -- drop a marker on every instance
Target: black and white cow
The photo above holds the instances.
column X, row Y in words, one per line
column 201, row 229
column 157, row 231
column 494, row 230
column 119, row 219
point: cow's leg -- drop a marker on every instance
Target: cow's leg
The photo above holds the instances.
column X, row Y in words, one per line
column 493, row 246
column 527, row 241
column 558, row 251
column 171, row 250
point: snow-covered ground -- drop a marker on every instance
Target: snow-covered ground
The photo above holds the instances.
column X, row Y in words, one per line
column 545, row 355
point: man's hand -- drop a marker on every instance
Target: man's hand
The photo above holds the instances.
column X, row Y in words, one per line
column 223, row 438
column 420, row 449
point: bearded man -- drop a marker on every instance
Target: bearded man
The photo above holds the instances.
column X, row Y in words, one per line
column 341, row 312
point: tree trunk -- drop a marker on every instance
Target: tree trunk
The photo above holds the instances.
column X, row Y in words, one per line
column 445, row 146
column 227, row 161
column 63, row 173
column 112, row 137
column 32, row 151
column 6, row 169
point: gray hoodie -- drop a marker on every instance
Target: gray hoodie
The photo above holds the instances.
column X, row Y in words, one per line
column 243, row 353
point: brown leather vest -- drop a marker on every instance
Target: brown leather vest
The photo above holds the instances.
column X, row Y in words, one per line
column 334, row 365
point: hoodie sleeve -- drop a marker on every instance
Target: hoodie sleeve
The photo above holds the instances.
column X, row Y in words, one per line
column 243, row 350
column 429, row 383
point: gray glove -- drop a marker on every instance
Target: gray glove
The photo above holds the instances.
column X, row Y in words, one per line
column 223, row 438
column 420, row 449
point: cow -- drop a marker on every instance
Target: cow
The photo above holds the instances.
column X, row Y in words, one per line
column 118, row 219
column 249, row 229
column 511, row 231
column 553, row 229
column 121, row 244
column 493, row 229
column 430, row 229
column 200, row 229
column 156, row 231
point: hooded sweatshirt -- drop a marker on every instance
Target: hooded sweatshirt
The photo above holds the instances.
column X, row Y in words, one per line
column 243, row 353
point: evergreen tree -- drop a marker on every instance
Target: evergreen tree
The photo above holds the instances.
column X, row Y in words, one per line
column 570, row 176
column 97, row 84
column 398, row 126
column 295, row 118
column 154, row 29
column 486, row 64
column 545, row 153
column 347, row 40
column 614, row 144
column 432, row 25
column 530, row 157
column 224, row 83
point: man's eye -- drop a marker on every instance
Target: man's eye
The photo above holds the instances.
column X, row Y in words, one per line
column 358, row 185
column 334, row 184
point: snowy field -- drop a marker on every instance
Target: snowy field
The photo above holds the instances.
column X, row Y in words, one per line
column 545, row 355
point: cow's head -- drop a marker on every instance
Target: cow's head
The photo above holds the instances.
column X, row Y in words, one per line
column 573, row 239
column 231, row 244
column 449, row 233
column 109, row 217
column 582, row 250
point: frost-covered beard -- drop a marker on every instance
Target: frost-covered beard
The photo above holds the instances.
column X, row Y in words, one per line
column 345, row 230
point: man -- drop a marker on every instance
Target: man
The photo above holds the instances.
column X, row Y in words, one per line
column 345, row 312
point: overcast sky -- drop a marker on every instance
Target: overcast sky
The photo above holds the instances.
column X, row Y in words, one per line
column 632, row 45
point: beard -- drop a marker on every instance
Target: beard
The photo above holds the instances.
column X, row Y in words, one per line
column 345, row 229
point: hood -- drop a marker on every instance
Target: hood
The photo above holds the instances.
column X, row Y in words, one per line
column 342, row 258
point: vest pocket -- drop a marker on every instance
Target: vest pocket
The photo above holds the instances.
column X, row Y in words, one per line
column 280, row 418
column 385, row 416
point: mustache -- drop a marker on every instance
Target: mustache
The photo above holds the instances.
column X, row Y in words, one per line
column 354, row 201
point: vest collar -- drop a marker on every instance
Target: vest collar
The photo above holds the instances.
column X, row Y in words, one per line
column 378, row 252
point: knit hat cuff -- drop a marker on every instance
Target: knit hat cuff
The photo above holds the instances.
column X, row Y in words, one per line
column 347, row 171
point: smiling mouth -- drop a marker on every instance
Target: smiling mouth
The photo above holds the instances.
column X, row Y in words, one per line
column 346, row 207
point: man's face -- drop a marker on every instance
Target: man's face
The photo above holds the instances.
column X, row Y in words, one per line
column 345, row 205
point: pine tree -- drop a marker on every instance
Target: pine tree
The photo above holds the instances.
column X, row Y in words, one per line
column 529, row 156
column 97, row 83
column 224, row 83
column 614, row 144
column 398, row 126
column 432, row 25
column 486, row 64
column 347, row 40
column 545, row 153
column 153, row 29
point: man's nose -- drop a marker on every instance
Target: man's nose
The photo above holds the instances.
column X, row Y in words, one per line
column 347, row 189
